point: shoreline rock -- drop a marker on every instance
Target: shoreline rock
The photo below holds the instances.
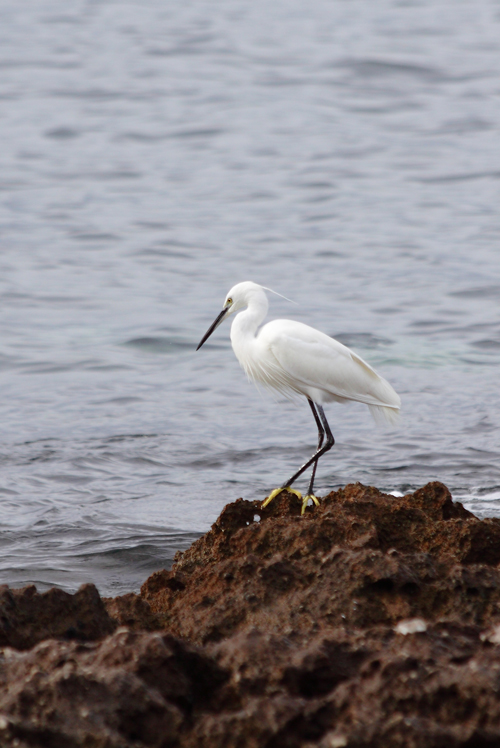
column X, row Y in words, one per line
column 372, row 621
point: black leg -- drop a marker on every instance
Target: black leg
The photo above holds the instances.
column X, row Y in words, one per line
column 321, row 436
column 330, row 441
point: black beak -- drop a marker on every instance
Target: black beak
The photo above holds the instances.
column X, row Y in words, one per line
column 213, row 327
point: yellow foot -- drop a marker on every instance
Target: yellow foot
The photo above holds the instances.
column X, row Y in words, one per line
column 306, row 499
column 277, row 491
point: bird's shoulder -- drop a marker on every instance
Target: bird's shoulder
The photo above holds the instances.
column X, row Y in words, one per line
column 291, row 331
column 287, row 334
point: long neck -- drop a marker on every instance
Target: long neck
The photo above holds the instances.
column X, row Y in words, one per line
column 245, row 324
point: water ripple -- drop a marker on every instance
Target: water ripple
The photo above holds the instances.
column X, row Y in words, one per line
column 346, row 156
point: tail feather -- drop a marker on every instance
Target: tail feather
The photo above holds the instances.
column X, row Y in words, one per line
column 383, row 414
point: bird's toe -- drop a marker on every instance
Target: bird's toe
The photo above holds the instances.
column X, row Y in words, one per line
column 305, row 501
column 277, row 491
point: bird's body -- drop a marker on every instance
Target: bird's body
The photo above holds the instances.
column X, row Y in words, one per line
column 296, row 359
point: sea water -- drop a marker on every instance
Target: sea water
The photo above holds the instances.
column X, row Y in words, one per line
column 346, row 154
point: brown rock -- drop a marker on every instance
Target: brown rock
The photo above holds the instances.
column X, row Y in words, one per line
column 27, row 617
column 371, row 622
column 361, row 558
column 366, row 689
column 133, row 689
column 133, row 611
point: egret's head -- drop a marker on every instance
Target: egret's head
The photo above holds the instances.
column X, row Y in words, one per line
column 239, row 297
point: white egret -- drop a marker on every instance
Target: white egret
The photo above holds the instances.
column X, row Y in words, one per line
column 296, row 359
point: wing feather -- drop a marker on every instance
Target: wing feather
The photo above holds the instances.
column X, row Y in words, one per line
column 308, row 361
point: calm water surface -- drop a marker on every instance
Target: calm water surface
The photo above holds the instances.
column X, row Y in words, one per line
column 153, row 154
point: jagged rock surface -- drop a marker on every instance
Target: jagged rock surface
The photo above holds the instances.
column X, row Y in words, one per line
column 28, row 617
column 362, row 558
column 371, row 622
column 133, row 689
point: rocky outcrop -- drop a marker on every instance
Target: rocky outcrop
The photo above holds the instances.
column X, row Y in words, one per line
column 371, row 622
column 132, row 689
column 27, row 617
column 361, row 559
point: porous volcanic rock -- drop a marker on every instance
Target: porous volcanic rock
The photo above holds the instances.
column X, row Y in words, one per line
column 28, row 617
column 133, row 689
column 362, row 558
column 371, row 622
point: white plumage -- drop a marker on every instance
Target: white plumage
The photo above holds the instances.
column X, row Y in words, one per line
column 296, row 359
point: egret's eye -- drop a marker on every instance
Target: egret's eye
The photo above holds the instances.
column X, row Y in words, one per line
column 229, row 301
